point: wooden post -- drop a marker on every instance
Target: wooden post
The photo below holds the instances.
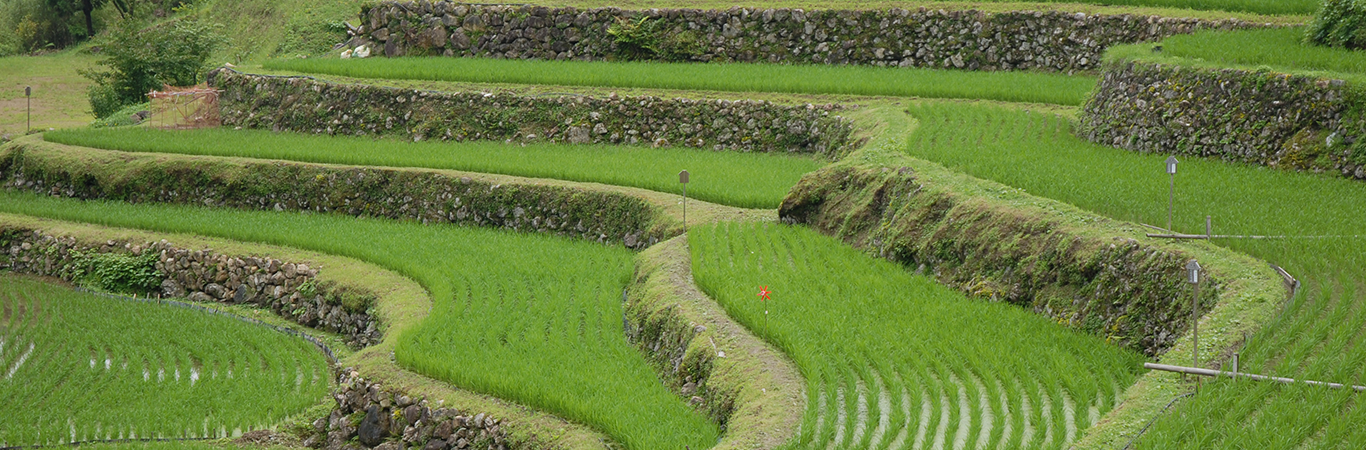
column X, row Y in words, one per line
column 28, row 109
column 683, row 179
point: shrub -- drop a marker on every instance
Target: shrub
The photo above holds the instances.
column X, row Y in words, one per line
column 139, row 60
column 1341, row 23
column 125, row 116
column 115, row 272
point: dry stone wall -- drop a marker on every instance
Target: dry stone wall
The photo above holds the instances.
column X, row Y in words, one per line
column 306, row 105
column 1259, row 117
column 425, row 196
column 1120, row 289
column 375, row 416
column 289, row 289
column 973, row 40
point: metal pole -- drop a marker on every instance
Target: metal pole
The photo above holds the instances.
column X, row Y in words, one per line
column 1195, row 329
column 685, row 208
column 1217, row 373
column 1171, row 200
column 1209, row 234
column 28, row 109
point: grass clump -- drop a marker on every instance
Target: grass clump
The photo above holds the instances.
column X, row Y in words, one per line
column 528, row 318
column 1031, row 87
column 893, row 358
column 81, row 367
column 750, row 180
column 1340, row 23
column 1311, row 339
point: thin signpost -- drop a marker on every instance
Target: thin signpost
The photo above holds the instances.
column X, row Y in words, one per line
column 1193, row 277
column 28, row 109
column 683, row 180
column 1171, row 193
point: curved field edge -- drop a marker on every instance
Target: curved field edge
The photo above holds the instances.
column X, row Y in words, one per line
column 402, row 303
column 1250, row 289
column 749, row 386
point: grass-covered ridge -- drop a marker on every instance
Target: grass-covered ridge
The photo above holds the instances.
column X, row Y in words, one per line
column 1313, row 338
column 1029, row 87
column 738, row 179
column 1279, row 49
column 529, row 318
column 894, row 359
column 77, row 366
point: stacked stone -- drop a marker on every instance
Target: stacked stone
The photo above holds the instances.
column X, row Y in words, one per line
column 204, row 276
column 305, row 105
column 381, row 418
column 971, row 39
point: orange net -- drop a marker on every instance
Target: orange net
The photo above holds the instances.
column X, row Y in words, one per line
column 185, row 108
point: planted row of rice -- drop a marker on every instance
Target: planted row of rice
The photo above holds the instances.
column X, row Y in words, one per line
column 1281, row 49
column 530, row 318
column 894, row 360
column 1029, row 87
column 753, row 180
column 77, row 367
column 1316, row 337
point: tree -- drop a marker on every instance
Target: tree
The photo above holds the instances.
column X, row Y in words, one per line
column 140, row 60
column 68, row 8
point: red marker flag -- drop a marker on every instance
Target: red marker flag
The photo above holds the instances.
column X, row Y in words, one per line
column 763, row 293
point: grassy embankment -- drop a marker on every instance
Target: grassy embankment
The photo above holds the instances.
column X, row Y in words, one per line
column 74, row 370
column 894, row 359
column 1315, row 337
column 1281, row 50
column 745, row 180
column 1031, row 87
column 566, row 295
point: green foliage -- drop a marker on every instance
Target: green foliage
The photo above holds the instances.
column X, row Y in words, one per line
column 1032, row 87
column 647, row 38
column 29, row 25
column 1280, row 49
column 531, row 318
column 866, row 331
column 117, row 272
column 1312, row 338
column 102, row 368
column 141, row 59
column 755, row 180
column 1340, row 23
column 122, row 117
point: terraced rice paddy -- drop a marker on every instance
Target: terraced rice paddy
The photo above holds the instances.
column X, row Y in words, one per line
column 529, row 318
column 78, row 367
column 894, row 360
column 1281, row 49
column 1318, row 336
column 1029, row 87
column 755, row 180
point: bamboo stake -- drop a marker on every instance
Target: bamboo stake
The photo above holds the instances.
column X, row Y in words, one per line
column 1235, row 375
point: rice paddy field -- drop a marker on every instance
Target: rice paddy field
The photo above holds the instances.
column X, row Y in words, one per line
column 752, row 180
column 1027, row 87
column 1317, row 336
column 1281, row 49
column 895, row 360
column 560, row 349
column 76, row 367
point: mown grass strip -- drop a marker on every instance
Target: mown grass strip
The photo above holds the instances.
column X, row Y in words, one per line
column 1280, row 49
column 866, row 333
column 750, row 180
column 1028, row 87
column 1311, row 339
column 530, row 318
column 75, row 367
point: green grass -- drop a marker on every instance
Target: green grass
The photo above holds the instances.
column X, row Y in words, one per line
column 1280, row 49
column 529, row 318
column 59, row 97
column 1031, row 87
column 1170, row 7
column 1315, row 337
column 75, row 366
column 752, row 180
column 895, row 359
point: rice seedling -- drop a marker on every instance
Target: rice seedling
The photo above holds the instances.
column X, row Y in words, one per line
column 753, row 180
column 1280, row 49
column 530, row 318
column 1315, row 337
column 1030, row 87
column 79, row 367
column 895, row 360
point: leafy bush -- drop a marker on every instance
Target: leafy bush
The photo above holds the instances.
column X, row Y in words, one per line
column 1341, row 23
column 30, row 25
column 115, row 272
column 126, row 116
column 139, row 60
column 649, row 39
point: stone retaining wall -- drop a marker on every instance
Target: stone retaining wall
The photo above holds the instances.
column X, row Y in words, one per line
column 1130, row 293
column 974, row 40
column 291, row 290
column 1259, row 117
column 306, row 105
column 425, row 196
column 384, row 419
